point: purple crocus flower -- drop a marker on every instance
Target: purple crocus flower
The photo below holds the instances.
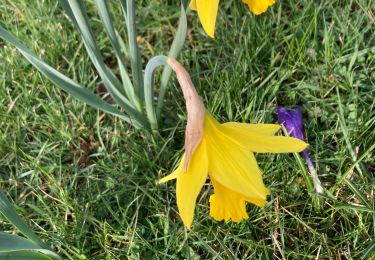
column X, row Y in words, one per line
column 292, row 121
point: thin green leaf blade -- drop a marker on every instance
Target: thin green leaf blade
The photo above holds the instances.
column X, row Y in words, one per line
column 66, row 83
column 9, row 212
column 65, row 5
column 353, row 208
column 25, row 255
column 113, row 85
column 135, row 55
column 107, row 19
column 357, row 192
column 11, row 243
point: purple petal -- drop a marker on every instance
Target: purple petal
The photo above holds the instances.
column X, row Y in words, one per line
column 292, row 121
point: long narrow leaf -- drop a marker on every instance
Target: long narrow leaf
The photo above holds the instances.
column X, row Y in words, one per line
column 26, row 255
column 112, row 84
column 123, row 5
column 79, row 13
column 135, row 55
column 107, row 19
column 178, row 43
column 65, row 5
column 11, row 243
column 8, row 211
column 64, row 82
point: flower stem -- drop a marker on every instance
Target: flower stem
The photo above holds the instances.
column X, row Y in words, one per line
column 313, row 173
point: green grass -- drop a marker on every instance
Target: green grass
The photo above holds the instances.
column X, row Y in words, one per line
column 87, row 182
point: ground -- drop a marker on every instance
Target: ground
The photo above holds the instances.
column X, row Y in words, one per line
column 86, row 182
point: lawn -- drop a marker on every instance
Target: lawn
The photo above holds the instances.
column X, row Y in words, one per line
column 87, row 182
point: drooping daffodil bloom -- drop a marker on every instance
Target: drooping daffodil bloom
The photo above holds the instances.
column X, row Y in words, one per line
column 293, row 123
column 207, row 11
column 224, row 153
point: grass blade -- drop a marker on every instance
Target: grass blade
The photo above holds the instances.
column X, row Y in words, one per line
column 370, row 251
column 360, row 196
column 344, row 176
column 353, row 208
column 66, row 83
column 176, row 47
column 10, row 243
column 345, row 132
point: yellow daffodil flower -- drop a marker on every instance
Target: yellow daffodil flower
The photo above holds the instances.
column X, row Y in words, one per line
column 207, row 11
column 224, row 153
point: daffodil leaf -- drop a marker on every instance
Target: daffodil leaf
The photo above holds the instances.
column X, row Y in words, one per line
column 107, row 19
column 8, row 211
column 10, row 243
column 68, row 84
column 135, row 55
column 112, row 84
column 27, row 255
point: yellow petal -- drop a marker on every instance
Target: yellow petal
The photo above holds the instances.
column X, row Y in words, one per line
column 259, row 6
column 207, row 12
column 262, row 143
column 259, row 129
column 190, row 183
column 193, row 5
column 231, row 165
column 174, row 174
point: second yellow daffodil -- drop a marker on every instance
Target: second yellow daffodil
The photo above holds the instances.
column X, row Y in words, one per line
column 225, row 154
column 207, row 11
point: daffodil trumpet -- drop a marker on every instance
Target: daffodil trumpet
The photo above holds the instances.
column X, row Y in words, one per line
column 225, row 154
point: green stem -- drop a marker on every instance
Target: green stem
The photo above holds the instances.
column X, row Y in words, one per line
column 148, row 88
